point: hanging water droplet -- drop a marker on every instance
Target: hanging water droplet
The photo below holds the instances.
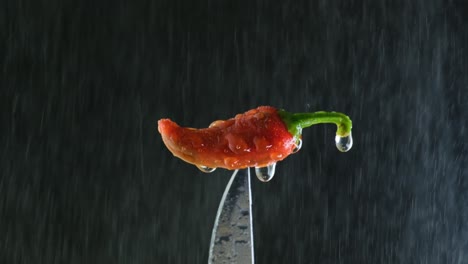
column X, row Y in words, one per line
column 205, row 169
column 265, row 174
column 298, row 146
column 344, row 144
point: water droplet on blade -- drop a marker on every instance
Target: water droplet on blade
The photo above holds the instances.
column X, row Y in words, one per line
column 265, row 174
column 344, row 144
column 205, row 169
column 298, row 146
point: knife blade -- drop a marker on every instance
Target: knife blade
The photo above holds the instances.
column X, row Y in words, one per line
column 232, row 235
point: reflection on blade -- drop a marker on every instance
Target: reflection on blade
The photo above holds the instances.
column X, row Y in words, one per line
column 232, row 237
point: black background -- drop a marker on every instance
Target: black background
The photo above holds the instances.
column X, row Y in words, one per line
column 85, row 177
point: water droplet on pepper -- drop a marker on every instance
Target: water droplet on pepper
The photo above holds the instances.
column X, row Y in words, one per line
column 236, row 144
column 261, row 143
column 276, row 156
column 217, row 123
column 231, row 162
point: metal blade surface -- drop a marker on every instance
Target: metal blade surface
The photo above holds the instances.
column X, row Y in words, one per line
column 232, row 237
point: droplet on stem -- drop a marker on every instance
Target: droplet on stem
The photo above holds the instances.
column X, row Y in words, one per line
column 265, row 174
column 298, row 146
column 344, row 144
column 205, row 169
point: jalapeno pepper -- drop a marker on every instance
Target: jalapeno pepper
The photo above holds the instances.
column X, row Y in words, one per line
column 256, row 138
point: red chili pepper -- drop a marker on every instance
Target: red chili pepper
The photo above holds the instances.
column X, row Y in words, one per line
column 256, row 138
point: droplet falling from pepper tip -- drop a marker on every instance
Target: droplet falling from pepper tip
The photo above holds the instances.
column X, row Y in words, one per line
column 205, row 169
column 265, row 174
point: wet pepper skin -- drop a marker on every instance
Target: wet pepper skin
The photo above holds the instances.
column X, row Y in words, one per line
column 256, row 138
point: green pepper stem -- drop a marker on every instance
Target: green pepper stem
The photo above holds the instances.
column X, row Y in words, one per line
column 295, row 122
